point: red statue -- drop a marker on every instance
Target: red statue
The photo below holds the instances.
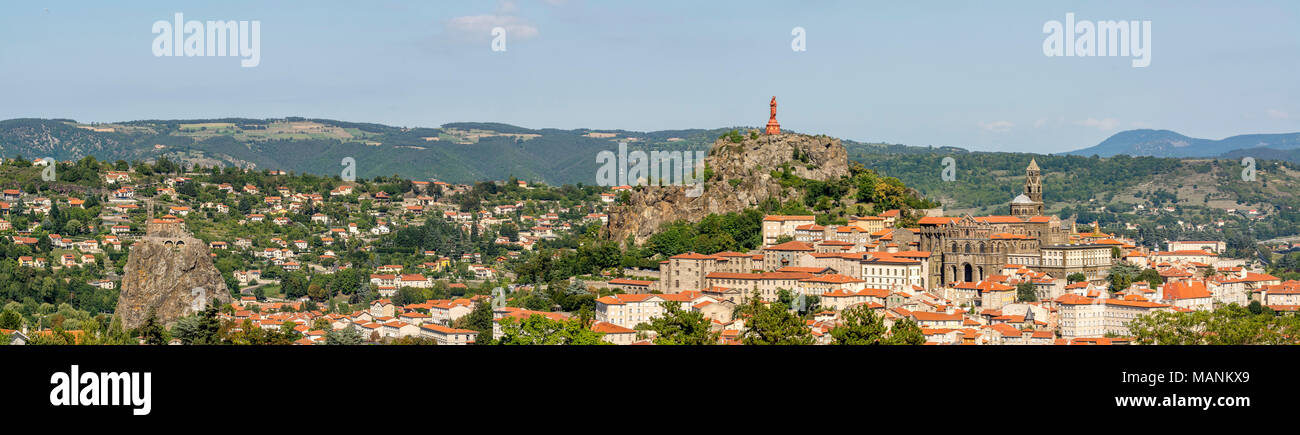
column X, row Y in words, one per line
column 773, row 127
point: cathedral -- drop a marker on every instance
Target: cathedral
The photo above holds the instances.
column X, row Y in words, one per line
column 972, row 248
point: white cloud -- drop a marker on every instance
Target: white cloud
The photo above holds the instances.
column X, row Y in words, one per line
column 997, row 126
column 480, row 26
column 1100, row 124
column 1278, row 114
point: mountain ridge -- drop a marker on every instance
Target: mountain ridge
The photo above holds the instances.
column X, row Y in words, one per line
column 457, row 152
column 1168, row 143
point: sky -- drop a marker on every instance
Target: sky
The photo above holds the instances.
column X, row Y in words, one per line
column 943, row 73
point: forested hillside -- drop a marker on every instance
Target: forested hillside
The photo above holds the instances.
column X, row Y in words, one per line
column 456, row 152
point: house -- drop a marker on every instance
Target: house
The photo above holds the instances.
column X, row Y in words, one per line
column 414, row 280
column 382, row 308
column 1191, row 295
column 398, row 329
column 246, row 276
column 629, row 310
column 448, row 336
column 13, row 337
column 384, row 281
column 926, row 319
column 446, row 312
column 415, row 317
column 614, row 334
column 114, row 177
column 26, row 261
column 775, row 226
column 1281, row 297
column 482, row 272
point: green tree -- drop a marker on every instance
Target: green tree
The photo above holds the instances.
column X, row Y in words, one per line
column 478, row 319
column 347, row 337
column 1122, row 276
column 773, row 324
column 152, row 331
column 202, row 328
column 905, row 332
column 10, row 319
column 859, row 326
column 538, row 329
column 316, row 292
column 677, row 326
column 1025, row 292
column 1229, row 325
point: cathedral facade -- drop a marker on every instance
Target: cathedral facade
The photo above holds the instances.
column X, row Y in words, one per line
column 972, row 248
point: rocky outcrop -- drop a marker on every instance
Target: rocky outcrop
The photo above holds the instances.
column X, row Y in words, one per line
column 170, row 273
column 749, row 163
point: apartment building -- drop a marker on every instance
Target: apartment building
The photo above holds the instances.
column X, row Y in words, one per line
column 767, row 284
column 630, row 310
column 1191, row 295
column 775, row 226
column 1081, row 316
column 892, row 271
column 1281, row 297
column 446, row 336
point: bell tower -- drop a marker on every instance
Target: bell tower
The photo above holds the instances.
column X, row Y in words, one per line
column 1030, row 203
column 1034, row 182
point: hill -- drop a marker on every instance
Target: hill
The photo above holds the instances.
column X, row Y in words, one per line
column 456, row 152
column 1166, row 143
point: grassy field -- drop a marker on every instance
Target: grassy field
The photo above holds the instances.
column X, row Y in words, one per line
column 272, row 291
column 298, row 130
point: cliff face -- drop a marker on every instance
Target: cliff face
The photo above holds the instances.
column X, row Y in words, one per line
column 750, row 162
column 172, row 275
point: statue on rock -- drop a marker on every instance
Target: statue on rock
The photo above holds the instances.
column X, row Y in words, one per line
column 773, row 127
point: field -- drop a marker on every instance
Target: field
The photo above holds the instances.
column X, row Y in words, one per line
column 279, row 130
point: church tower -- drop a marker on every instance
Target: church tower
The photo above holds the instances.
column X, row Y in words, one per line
column 1033, row 182
column 1030, row 203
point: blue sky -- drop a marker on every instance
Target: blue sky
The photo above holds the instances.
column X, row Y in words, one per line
column 969, row 74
